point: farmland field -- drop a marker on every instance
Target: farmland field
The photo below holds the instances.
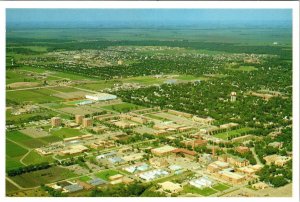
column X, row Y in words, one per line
column 24, row 140
column 14, row 150
column 34, row 158
column 34, row 96
column 36, row 178
column 12, row 163
column 10, row 187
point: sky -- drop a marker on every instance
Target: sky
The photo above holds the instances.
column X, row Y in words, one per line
column 145, row 17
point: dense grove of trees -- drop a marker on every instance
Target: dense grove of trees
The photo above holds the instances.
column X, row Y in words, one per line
column 277, row 176
column 248, row 155
column 27, row 169
column 121, row 190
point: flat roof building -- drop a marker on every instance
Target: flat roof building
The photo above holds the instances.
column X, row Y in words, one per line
column 79, row 118
column 101, row 97
column 161, row 151
column 55, row 121
column 87, row 122
column 170, row 187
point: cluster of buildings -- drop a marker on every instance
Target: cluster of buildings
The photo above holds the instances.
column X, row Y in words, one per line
column 73, row 149
column 233, row 169
column 153, row 174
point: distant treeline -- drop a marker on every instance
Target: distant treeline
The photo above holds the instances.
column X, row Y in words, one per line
column 61, row 44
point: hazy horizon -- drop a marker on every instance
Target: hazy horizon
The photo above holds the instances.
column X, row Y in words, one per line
column 113, row 18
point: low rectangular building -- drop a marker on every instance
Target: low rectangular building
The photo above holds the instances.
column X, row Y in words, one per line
column 101, row 97
column 161, row 151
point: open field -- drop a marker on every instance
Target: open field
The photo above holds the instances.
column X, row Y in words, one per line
column 221, row 187
column 9, row 187
column 99, row 85
column 34, row 96
column 204, row 192
column 12, row 163
column 244, row 68
column 36, row 178
column 85, row 178
column 66, row 132
column 123, row 107
column 24, row 140
column 14, row 150
column 106, row 174
column 51, row 139
column 38, row 192
column 233, row 133
column 34, row 158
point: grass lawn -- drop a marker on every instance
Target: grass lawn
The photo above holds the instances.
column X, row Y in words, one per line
column 33, row 158
column 232, row 133
column 244, row 68
column 35, row 95
column 66, row 132
column 204, row 192
column 85, row 178
column 123, row 107
column 106, row 174
column 36, row 178
column 14, row 150
column 24, row 140
column 221, row 187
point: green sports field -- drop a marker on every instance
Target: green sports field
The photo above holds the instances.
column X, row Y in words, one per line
column 66, row 132
column 123, row 107
column 232, row 133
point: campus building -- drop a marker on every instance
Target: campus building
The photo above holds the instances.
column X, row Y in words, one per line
column 101, row 97
column 55, row 121
column 162, row 151
column 79, row 118
column 87, row 122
